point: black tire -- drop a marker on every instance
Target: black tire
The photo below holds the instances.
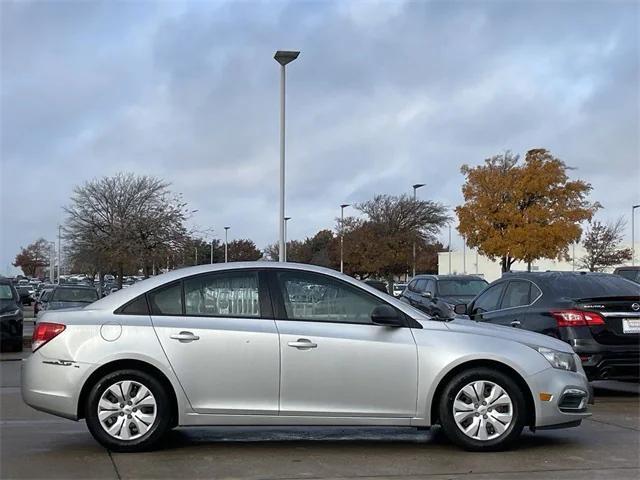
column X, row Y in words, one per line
column 160, row 426
column 504, row 381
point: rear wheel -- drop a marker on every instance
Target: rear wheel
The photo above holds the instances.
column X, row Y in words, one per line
column 482, row 409
column 128, row 411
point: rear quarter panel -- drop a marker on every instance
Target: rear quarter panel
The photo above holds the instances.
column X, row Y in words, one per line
column 94, row 338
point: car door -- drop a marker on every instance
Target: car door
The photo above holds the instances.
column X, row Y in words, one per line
column 218, row 333
column 334, row 361
column 514, row 305
column 483, row 308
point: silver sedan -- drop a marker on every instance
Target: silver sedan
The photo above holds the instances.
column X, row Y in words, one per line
column 285, row 344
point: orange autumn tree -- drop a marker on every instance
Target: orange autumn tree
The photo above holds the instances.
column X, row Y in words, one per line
column 523, row 211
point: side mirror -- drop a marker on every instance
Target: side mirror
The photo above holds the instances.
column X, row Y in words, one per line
column 460, row 309
column 427, row 294
column 386, row 315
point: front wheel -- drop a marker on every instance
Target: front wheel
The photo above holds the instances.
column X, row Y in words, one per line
column 128, row 411
column 482, row 409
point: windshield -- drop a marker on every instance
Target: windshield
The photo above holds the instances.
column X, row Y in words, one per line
column 5, row 292
column 84, row 295
column 593, row 286
column 460, row 287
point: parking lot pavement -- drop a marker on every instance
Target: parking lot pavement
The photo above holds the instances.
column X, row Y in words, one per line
column 37, row 445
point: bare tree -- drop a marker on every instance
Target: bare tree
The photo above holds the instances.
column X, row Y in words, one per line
column 602, row 243
column 125, row 221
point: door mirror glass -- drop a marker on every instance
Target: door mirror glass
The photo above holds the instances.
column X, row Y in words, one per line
column 386, row 315
column 460, row 309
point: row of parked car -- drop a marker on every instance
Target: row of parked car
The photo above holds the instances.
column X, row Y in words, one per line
column 44, row 296
column 598, row 314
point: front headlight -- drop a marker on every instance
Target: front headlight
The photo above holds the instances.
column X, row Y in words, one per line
column 561, row 360
column 10, row 314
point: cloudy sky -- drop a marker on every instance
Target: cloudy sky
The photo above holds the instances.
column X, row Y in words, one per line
column 384, row 95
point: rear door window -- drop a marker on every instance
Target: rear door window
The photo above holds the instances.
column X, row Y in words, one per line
column 517, row 294
column 166, row 300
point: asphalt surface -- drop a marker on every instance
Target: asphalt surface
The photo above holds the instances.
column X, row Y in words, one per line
column 37, row 445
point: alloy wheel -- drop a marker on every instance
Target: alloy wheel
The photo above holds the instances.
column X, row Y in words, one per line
column 127, row 410
column 483, row 410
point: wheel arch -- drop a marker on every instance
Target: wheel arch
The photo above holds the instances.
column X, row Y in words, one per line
column 493, row 364
column 128, row 364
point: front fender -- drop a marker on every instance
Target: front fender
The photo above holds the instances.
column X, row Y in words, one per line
column 442, row 351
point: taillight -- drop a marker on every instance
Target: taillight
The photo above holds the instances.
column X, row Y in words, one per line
column 577, row 318
column 45, row 332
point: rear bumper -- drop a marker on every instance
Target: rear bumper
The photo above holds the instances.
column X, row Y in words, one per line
column 52, row 386
column 608, row 362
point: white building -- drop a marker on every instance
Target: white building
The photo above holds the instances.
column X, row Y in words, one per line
column 468, row 261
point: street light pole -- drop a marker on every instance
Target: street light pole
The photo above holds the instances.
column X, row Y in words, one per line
column 212, row 251
column 196, row 250
column 633, row 234
column 52, row 262
column 449, row 249
column 59, row 257
column 286, row 219
column 283, row 58
column 342, row 207
column 226, row 244
column 415, row 188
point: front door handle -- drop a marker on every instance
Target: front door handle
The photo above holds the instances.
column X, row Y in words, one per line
column 303, row 344
column 515, row 323
column 184, row 337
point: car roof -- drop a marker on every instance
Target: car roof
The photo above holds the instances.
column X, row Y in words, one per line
column 74, row 286
column 125, row 295
column 449, row 277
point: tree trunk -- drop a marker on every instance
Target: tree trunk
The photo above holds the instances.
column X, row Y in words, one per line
column 504, row 264
column 120, row 275
column 390, row 284
column 529, row 266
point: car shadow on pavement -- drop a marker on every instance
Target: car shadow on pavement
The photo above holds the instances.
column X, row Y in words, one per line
column 342, row 438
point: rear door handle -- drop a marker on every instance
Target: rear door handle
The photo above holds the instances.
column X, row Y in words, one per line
column 515, row 323
column 185, row 337
column 303, row 344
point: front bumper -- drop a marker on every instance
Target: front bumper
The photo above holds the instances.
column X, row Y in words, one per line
column 52, row 385
column 562, row 407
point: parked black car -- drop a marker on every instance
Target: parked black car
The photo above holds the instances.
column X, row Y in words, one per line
column 598, row 314
column 11, row 317
column 378, row 285
column 42, row 300
column 25, row 294
column 69, row 296
column 438, row 294
column 630, row 273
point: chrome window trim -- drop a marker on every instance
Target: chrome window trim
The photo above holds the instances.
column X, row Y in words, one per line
column 619, row 314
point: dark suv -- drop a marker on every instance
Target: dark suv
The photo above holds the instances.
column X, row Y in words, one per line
column 11, row 317
column 598, row 314
column 438, row 294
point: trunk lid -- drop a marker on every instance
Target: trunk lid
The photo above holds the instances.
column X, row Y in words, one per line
column 621, row 315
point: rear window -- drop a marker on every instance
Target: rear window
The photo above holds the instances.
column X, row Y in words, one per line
column 461, row 286
column 633, row 275
column 592, row 286
column 82, row 295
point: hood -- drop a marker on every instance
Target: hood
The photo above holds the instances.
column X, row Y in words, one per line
column 508, row 333
column 66, row 305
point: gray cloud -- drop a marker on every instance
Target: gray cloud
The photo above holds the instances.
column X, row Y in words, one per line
column 384, row 94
